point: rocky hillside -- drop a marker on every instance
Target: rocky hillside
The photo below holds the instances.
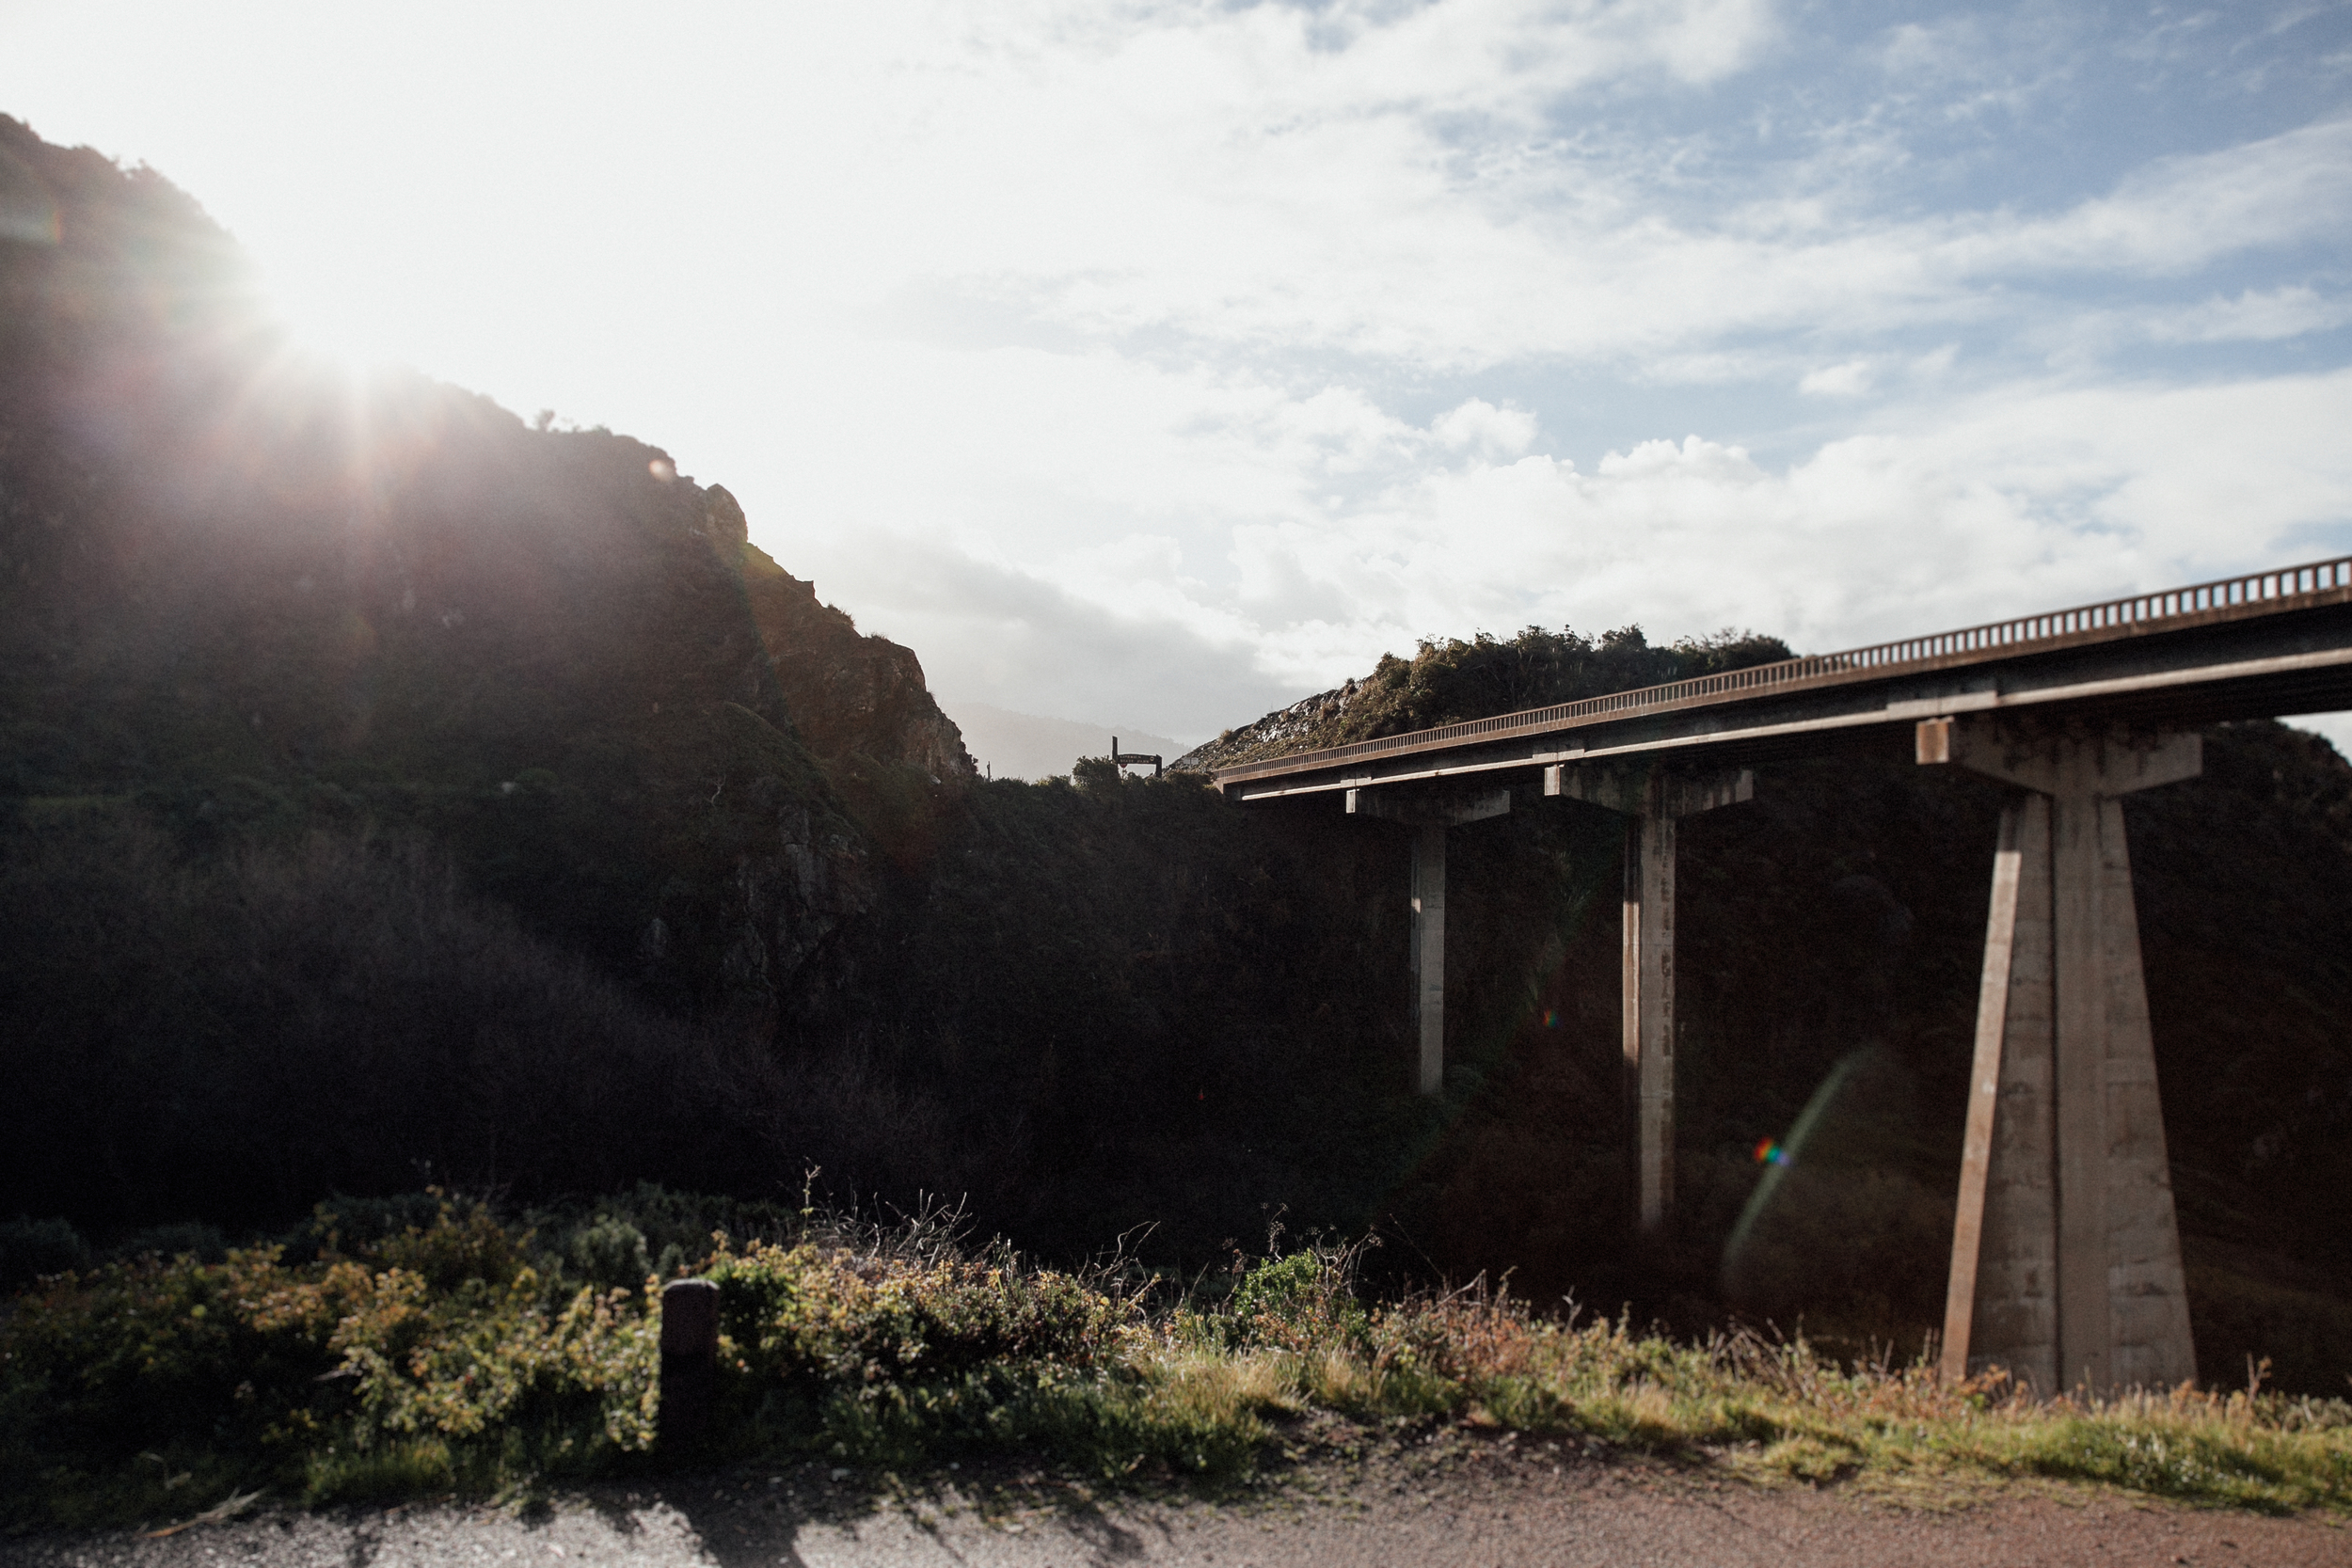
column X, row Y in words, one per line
column 240, row 594
column 1448, row 678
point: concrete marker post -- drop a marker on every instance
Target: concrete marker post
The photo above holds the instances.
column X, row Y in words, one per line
column 690, row 1364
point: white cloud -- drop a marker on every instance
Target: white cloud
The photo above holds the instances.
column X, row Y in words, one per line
column 2182, row 213
column 983, row 629
column 1479, row 425
column 1379, row 181
column 2027, row 498
column 2254, row 316
column 1850, row 379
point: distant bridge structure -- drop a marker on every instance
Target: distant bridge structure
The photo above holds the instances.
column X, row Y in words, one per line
column 2066, row 1262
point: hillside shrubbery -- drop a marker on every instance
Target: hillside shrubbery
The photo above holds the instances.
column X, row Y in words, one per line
column 228, row 1035
column 1448, row 680
column 455, row 1353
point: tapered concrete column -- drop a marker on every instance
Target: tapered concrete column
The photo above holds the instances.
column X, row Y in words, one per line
column 1429, row 950
column 1652, row 800
column 2066, row 1258
column 2003, row 1291
column 1431, row 812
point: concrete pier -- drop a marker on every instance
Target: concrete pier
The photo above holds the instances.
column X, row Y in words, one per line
column 1646, row 983
column 2066, row 1258
column 1428, row 950
column 1430, row 814
column 1653, row 801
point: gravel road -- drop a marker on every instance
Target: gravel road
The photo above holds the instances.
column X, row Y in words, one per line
column 1534, row 1508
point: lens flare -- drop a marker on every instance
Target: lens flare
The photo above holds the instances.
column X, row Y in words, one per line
column 1778, row 1158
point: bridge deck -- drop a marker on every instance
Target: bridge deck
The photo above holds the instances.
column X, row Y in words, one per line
column 2258, row 645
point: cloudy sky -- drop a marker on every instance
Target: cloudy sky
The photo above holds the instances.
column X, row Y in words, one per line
column 1162, row 363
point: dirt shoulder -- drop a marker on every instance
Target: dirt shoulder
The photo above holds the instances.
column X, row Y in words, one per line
column 1440, row 1503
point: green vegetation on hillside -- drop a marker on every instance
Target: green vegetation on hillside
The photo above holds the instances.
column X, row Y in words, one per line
column 1448, row 680
column 452, row 1354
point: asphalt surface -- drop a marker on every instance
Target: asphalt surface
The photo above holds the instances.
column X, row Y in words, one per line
column 1537, row 1507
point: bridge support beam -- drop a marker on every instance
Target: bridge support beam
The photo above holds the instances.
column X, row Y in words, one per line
column 2066, row 1258
column 1652, row 800
column 1430, row 815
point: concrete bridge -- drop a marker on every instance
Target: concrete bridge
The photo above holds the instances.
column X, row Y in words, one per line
column 2066, row 1263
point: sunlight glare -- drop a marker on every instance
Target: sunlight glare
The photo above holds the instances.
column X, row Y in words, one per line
column 338, row 317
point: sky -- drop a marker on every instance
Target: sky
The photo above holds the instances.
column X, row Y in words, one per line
column 1165, row 363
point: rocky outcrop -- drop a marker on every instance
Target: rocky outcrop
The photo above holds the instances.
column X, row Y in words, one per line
column 1305, row 724
column 851, row 694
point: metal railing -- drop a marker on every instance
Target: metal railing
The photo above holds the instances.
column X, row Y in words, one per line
column 2128, row 616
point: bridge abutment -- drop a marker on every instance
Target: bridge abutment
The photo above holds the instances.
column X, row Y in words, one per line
column 1652, row 799
column 2066, row 1258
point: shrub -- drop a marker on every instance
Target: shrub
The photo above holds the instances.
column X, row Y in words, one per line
column 1302, row 1300
column 609, row 1252
column 153, row 1386
column 873, row 1356
column 30, row 1248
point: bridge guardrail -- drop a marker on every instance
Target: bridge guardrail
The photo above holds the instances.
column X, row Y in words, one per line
column 2130, row 615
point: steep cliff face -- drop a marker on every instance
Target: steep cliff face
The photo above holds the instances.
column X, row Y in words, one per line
column 243, row 594
column 852, row 695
